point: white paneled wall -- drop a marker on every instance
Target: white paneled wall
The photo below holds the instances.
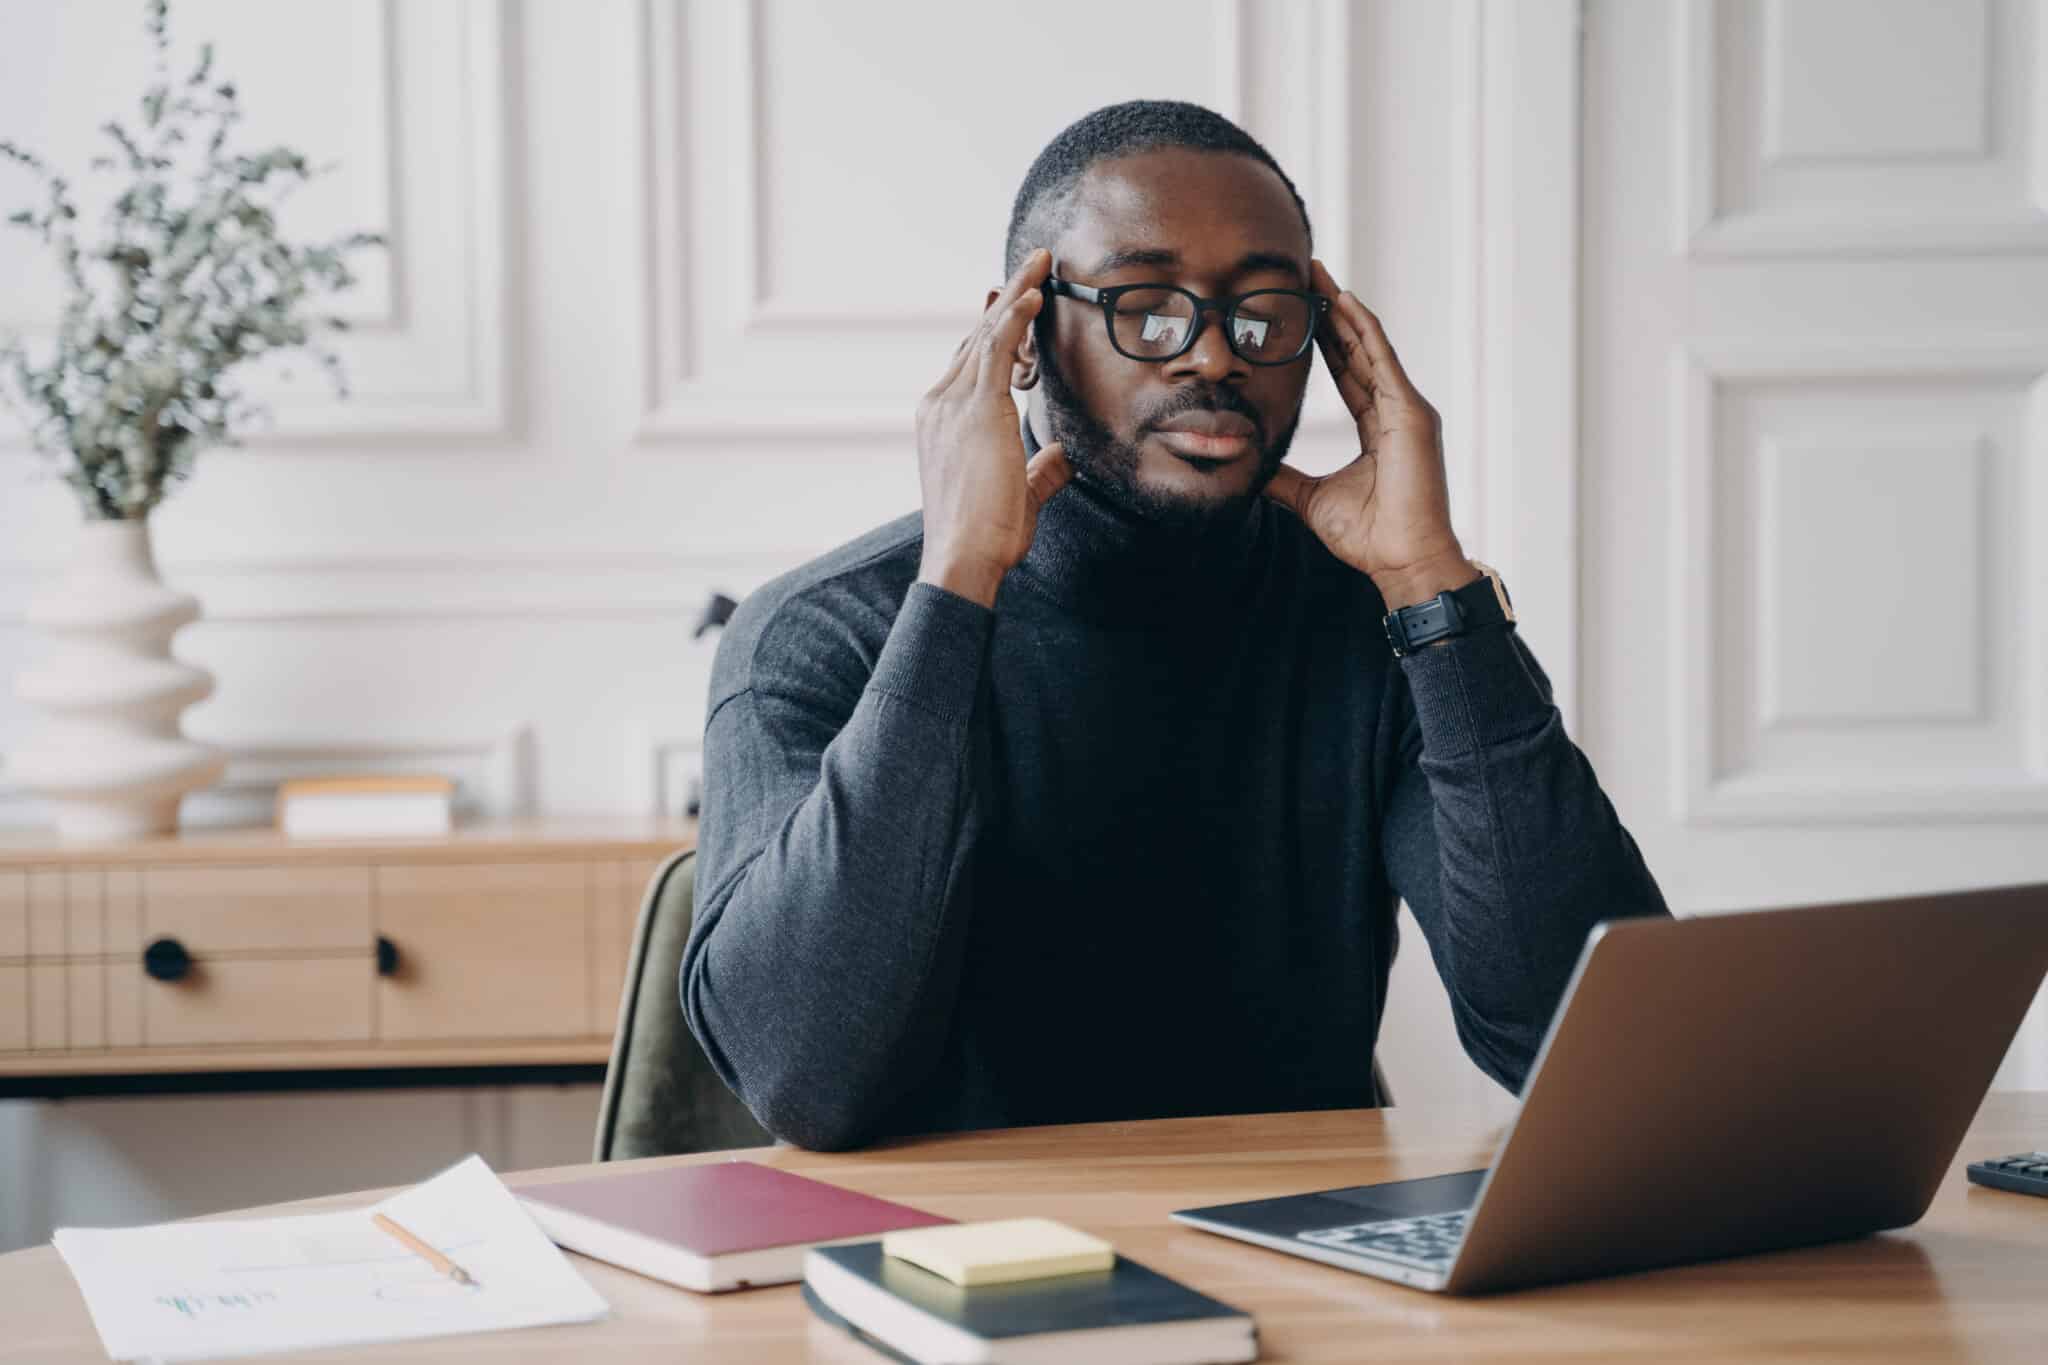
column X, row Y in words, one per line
column 666, row 280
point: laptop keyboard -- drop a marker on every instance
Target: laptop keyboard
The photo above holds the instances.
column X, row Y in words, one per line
column 1428, row 1242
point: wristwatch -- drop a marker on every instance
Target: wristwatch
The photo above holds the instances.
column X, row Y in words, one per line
column 1482, row 602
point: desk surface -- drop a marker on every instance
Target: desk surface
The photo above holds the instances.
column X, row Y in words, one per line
column 1970, row 1281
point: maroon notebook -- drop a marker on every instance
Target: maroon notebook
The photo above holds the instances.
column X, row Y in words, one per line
column 722, row 1226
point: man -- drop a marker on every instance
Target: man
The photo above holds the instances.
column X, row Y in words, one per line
column 1089, row 792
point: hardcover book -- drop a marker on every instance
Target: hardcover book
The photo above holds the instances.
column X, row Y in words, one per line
column 1128, row 1314
column 729, row 1225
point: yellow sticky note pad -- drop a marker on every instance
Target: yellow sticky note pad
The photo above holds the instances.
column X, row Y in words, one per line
column 1000, row 1252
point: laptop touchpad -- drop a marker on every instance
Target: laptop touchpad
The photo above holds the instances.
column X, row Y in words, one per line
column 1409, row 1198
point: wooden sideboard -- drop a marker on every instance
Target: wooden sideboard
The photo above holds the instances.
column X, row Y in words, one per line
column 244, row 951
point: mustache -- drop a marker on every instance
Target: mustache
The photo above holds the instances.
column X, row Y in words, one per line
column 1203, row 398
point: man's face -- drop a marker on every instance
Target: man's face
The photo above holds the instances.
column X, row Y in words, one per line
column 1187, row 442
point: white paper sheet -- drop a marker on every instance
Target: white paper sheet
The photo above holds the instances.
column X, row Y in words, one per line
column 191, row 1291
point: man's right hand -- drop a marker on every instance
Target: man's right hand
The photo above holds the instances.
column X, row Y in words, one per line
column 981, row 500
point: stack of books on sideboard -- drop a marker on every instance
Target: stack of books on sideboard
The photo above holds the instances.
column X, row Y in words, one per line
column 371, row 807
column 915, row 1286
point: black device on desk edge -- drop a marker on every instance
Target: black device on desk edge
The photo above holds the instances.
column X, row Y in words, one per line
column 1712, row 1087
column 2024, row 1173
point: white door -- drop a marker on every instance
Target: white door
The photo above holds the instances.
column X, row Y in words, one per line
column 1813, row 627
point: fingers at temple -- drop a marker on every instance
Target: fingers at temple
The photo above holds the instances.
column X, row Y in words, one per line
column 1342, row 354
column 1387, row 374
column 963, row 354
column 999, row 344
column 1030, row 273
column 967, row 355
column 1321, row 280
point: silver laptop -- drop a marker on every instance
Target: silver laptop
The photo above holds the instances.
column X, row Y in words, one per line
column 1711, row 1087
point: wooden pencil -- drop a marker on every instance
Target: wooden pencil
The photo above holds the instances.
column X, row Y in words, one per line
column 432, row 1257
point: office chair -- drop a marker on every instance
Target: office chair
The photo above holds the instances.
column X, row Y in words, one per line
column 661, row 1096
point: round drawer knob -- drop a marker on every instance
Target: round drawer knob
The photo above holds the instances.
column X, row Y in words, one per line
column 387, row 957
column 167, row 960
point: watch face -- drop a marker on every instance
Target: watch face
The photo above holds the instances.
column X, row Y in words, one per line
column 1500, row 589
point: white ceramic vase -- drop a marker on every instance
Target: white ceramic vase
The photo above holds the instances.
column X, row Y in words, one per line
column 109, row 757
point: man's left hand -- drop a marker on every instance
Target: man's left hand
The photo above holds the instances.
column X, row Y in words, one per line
column 1387, row 513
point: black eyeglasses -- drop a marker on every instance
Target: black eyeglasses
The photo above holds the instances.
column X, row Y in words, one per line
column 1155, row 322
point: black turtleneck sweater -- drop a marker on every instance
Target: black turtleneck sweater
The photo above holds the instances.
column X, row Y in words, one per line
column 1126, row 846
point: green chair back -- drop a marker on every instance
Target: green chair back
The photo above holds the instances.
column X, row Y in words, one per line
column 661, row 1096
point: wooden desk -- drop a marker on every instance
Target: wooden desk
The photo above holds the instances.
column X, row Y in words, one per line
column 1970, row 1281
column 500, row 944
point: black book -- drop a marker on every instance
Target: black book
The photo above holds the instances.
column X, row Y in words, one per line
column 1126, row 1314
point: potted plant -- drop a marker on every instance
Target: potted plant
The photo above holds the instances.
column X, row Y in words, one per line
column 188, row 283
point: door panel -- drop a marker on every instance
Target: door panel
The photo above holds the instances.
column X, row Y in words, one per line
column 1814, row 568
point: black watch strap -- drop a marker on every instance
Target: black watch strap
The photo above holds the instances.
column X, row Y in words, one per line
column 1481, row 603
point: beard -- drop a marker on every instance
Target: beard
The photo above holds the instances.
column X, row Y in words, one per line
column 1109, row 464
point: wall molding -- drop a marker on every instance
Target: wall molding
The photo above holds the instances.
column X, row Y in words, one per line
column 437, row 361
column 1526, row 70
column 1700, row 794
column 470, row 107
column 397, row 589
column 1706, row 229
column 684, row 402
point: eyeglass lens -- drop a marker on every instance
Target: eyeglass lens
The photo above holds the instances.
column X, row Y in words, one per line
column 1155, row 324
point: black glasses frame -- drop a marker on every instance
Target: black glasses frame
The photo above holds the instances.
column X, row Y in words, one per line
column 1319, row 307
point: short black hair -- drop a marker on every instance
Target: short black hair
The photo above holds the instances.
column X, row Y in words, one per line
column 1045, row 201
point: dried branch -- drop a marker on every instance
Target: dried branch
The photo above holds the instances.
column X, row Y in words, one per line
column 189, row 281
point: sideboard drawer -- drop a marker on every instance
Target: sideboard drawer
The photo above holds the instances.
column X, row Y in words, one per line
column 500, row 944
column 485, row 951
column 13, row 913
column 13, row 1008
column 258, row 909
column 255, row 1000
